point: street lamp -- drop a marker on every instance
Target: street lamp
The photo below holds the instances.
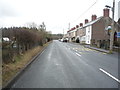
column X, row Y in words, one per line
column 112, row 31
column 108, row 6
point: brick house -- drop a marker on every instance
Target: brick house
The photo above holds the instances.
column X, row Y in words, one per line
column 72, row 34
column 83, row 33
column 79, row 32
column 100, row 36
column 95, row 32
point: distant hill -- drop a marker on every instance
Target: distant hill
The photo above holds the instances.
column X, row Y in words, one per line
column 57, row 36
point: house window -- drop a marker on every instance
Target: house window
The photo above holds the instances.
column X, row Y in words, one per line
column 88, row 37
column 88, row 31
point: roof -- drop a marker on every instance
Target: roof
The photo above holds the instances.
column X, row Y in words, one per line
column 88, row 24
column 92, row 22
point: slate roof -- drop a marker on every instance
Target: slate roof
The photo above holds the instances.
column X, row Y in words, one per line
column 92, row 22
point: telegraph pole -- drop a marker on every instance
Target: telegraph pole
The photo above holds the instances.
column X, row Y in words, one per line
column 69, row 26
column 68, row 30
column 63, row 32
column 112, row 31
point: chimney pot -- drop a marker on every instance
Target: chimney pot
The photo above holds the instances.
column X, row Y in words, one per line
column 81, row 24
column 106, row 12
column 86, row 21
column 77, row 26
column 94, row 17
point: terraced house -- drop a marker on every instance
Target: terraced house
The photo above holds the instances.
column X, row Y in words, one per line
column 72, row 34
column 96, row 32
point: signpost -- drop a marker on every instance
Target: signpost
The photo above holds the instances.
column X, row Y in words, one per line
column 112, row 31
column 108, row 29
column 118, row 34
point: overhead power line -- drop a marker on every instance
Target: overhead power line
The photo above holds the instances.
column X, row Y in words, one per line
column 85, row 11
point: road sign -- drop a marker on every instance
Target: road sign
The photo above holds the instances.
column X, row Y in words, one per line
column 118, row 34
column 108, row 28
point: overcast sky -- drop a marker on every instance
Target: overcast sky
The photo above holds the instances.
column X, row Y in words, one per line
column 56, row 14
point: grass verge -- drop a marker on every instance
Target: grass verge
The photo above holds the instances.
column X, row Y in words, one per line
column 11, row 69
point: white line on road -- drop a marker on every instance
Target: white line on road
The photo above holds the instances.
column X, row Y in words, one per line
column 57, row 64
column 109, row 75
column 78, row 54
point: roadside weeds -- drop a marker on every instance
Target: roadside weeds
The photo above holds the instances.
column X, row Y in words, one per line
column 9, row 71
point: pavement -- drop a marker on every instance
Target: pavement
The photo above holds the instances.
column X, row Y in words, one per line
column 67, row 65
column 98, row 49
column 94, row 48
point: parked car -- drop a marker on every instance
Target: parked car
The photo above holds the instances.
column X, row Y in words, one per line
column 65, row 40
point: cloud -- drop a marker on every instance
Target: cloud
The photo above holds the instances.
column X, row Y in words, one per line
column 6, row 10
column 55, row 13
column 119, row 10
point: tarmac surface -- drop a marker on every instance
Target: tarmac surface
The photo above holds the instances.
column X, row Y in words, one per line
column 67, row 65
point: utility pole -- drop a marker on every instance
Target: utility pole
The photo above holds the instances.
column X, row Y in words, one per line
column 112, row 31
column 68, row 30
column 69, row 26
column 63, row 33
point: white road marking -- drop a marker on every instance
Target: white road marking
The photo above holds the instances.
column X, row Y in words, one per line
column 57, row 64
column 78, row 54
column 109, row 75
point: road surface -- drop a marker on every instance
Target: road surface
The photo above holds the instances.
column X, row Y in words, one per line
column 67, row 65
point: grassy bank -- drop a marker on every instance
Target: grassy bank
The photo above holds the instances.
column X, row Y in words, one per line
column 11, row 69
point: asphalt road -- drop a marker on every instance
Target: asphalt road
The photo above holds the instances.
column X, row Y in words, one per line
column 67, row 65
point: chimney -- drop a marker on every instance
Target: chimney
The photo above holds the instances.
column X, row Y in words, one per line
column 74, row 28
column 94, row 17
column 77, row 26
column 81, row 24
column 86, row 21
column 106, row 12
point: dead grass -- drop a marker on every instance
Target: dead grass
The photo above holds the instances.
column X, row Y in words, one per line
column 9, row 70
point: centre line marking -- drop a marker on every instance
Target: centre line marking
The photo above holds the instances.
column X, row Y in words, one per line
column 78, row 54
column 109, row 75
